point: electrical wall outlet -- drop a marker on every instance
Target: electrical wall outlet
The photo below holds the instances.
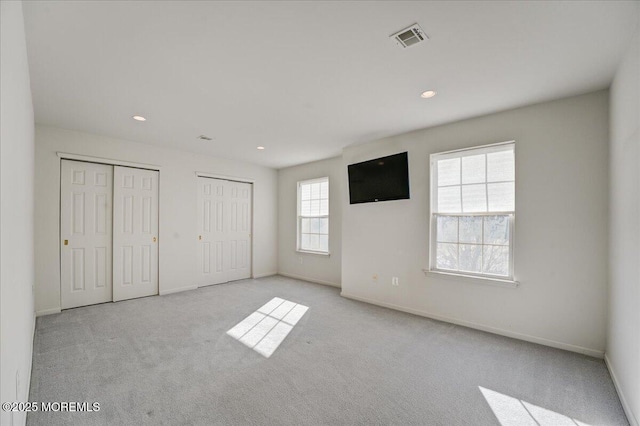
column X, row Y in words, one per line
column 394, row 281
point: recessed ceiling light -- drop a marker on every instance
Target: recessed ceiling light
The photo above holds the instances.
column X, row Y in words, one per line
column 428, row 94
column 139, row 118
column 261, row 148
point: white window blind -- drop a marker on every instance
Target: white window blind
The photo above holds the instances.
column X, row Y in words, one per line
column 313, row 215
column 473, row 209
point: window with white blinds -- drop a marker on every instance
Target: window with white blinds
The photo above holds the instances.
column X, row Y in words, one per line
column 473, row 210
column 313, row 215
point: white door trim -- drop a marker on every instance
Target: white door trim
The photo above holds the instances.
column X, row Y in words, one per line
column 223, row 177
column 102, row 160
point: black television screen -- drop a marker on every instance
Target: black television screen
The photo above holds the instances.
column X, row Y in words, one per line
column 382, row 179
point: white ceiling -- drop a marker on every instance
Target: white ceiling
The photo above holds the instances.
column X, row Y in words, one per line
column 306, row 79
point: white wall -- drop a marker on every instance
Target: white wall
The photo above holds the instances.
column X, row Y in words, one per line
column 623, row 333
column 16, row 211
column 178, row 191
column 314, row 267
column 560, row 233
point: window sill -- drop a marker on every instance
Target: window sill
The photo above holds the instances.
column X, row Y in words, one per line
column 472, row 279
column 321, row 253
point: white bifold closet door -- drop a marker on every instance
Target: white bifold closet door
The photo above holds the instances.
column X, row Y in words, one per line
column 135, row 233
column 224, row 228
column 85, row 233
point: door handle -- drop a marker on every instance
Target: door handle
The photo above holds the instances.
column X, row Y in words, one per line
column 155, row 239
column 199, row 237
column 66, row 242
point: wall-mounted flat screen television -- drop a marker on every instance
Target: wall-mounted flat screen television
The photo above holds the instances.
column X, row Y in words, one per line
column 382, row 179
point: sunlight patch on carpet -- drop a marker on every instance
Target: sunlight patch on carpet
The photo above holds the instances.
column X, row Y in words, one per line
column 512, row 411
column 265, row 329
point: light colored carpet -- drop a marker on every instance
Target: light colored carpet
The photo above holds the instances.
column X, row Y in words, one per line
column 169, row 360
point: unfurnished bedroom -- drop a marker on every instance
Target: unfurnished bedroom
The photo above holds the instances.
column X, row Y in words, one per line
column 320, row 213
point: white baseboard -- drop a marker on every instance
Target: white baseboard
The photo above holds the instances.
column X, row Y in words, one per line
column 540, row 340
column 311, row 280
column 633, row 421
column 266, row 274
column 48, row 312
column 177, row 290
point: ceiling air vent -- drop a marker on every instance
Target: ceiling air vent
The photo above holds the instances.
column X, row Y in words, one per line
column 205, row 138
column 409, row 36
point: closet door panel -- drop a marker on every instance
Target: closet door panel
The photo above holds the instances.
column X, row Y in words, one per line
column 224, row 231
column 239, row 235
column 135, row 233
column 212, row 232
column 86, row 202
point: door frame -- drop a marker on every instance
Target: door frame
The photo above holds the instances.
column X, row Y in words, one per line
column 108, row 162
column 242, row 180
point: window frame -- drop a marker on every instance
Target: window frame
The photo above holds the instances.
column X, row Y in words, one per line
column 299, row 216
column 433, row 215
